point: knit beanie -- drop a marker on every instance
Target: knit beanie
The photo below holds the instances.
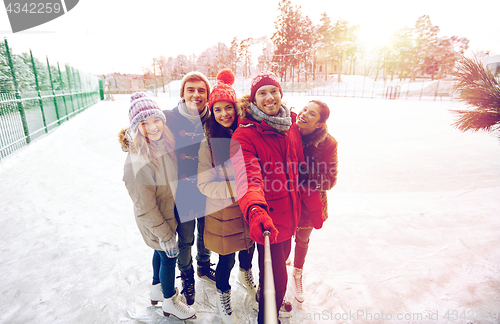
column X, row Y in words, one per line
column 194, row 76
column 137, row 95
column 262, row 79
column 223, row 90
column 141, row 109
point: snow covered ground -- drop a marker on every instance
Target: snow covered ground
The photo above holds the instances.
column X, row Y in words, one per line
column 413, row 234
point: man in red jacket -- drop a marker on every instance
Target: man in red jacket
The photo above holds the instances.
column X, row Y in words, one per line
column 266, row 153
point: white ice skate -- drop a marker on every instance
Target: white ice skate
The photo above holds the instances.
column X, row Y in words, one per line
column 156, row 294
column 297, row 285
column 224, row 306
column 245, row 277
column 176, row 307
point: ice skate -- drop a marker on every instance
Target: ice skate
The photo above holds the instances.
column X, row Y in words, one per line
column 188, row 286
column 285, row 310
column 297, row 285
column 205, row 272
column 224, row 306
column 174, row 306
column 156, row 294
column 245, row 278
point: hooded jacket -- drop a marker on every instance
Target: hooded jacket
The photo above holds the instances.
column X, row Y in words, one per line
column 152, row 192
column 266, row 164
column 320, row 154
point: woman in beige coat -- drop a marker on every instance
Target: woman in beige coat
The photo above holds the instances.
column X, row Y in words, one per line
column 150, row 175
column 226, row 231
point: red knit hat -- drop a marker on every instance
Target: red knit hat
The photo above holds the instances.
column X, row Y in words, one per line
column 262, row 79
column 223, row 90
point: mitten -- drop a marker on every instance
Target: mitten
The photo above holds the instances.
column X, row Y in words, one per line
column 259, row 221
column 170, row 247
column 312, row 201
column 317, row 218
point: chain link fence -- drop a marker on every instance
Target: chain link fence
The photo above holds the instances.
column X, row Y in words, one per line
column 35, row 99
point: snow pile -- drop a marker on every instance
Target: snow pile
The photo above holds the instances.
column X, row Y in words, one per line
column 413, row 229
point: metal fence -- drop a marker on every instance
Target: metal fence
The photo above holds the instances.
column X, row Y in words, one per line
column 26, row 115
column 350, row 86
column 353, row 86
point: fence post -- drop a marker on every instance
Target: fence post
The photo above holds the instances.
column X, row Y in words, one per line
column 18, row 95
column 437, row 89
column 40, row 100
column 62, row 89
column 77, row 90
column 82, row 94
column 70, row 88
column 363, row 92
column 53, row 92
column 422, row 90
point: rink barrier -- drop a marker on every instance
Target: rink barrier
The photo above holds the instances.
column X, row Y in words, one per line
column 41, row 101
column 350, row 86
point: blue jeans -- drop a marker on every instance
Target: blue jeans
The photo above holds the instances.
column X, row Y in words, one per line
column 301, row 246
column 226, row 264
column 185, row 241
column 164, row 273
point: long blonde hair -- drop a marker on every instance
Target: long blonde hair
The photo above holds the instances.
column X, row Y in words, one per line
column 143, row 146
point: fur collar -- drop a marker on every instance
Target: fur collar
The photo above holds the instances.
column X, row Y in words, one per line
column 125, row 139
column 315, row 138
column 244, row 107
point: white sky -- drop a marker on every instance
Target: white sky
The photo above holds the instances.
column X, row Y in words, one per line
column 123, row 36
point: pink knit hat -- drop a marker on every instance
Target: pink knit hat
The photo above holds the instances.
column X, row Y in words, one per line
column 143, row 108
column 223, row 90
column 262, row 79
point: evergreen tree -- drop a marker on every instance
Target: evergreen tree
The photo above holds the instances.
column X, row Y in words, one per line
column 425, row 43
column 6, row 83
column 285, row 37
column 481, row 91
column 344, row 41
column 233, row 54
column 448, row 51
column 325, row 39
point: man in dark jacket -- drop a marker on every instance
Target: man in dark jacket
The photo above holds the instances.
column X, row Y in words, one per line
column 186, row 123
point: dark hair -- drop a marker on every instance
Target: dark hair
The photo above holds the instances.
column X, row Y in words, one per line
column 213, row 130
column 324, row 112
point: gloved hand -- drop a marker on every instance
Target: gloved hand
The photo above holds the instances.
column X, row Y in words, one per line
column 317, row 218
column 170, row 247
column 259, row 221
column 312, row 201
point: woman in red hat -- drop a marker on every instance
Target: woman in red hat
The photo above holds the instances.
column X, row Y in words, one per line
column 226, row 231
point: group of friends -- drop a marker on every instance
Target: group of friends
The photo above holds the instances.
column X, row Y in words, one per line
column 223, row 170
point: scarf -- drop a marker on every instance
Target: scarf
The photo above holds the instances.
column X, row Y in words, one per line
column 281, row 122
column 202, row 117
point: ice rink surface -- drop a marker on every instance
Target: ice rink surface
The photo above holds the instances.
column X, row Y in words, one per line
column 413, row 234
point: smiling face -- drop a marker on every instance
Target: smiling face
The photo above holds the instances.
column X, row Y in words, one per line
column 268, row 99
column 308, row 119
column 151, row 128
column 224, row 113
column 195, row 95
